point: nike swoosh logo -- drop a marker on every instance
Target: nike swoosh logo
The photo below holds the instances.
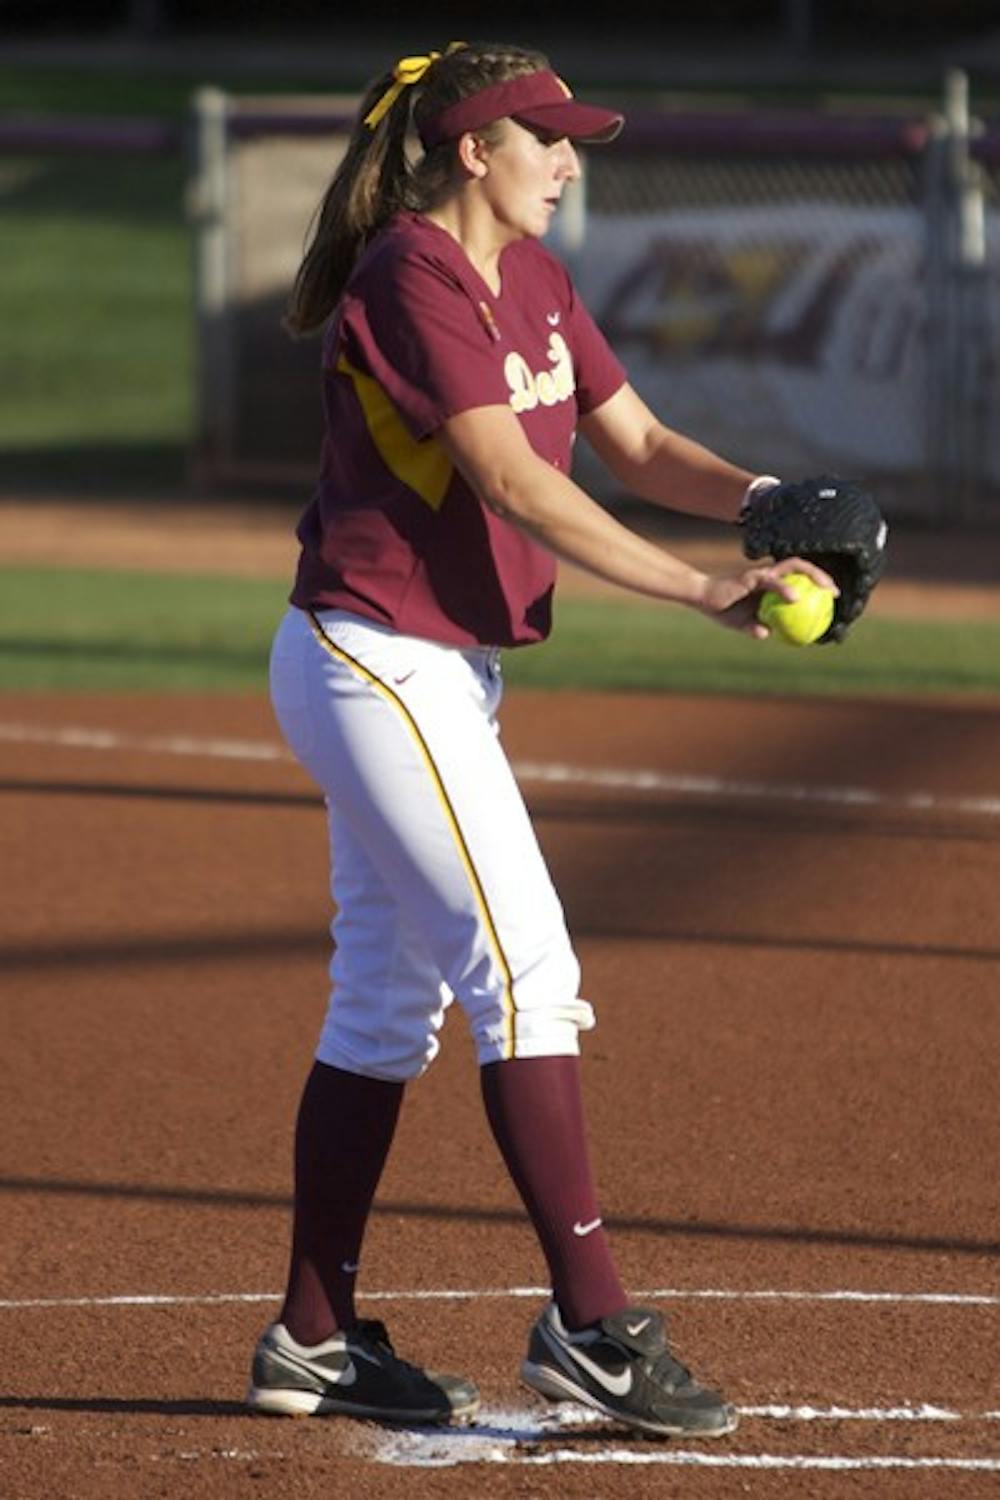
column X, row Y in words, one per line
column 636, row 1329
column 405, row 678
column 615, row 1385
column 349, row 1266
column 370, row 1359
column 582, row 1229
column 552, row 319
column 347, row 1376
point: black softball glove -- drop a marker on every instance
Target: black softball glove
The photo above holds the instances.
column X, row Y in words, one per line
column 834, row 523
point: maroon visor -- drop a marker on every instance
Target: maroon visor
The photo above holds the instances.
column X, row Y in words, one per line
column 539, row 100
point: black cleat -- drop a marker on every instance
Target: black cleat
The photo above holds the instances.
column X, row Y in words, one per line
column 353, row 1373
column 622, row 1367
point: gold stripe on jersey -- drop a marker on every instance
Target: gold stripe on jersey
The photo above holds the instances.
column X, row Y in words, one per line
column 509, row 1007
column 423, row 466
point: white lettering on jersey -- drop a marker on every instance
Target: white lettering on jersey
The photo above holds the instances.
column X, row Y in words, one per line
column 528, row 389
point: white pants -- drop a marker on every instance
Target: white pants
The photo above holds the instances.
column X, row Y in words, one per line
column 439, row 886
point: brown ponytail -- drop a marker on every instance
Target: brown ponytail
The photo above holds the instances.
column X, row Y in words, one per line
column 375, row 177
column 365, row 191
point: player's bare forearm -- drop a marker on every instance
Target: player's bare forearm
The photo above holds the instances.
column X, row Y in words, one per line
column 683, row 476
column 564, row 518
column 487, row 444
column 490, row 448
column 663, row 466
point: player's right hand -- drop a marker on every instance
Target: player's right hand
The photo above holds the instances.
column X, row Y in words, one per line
column 731, row 599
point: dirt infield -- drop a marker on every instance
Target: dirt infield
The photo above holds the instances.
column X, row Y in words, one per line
column 788, row 922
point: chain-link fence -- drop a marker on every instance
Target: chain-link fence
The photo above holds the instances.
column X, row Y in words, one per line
column 262, row 168
column 979, row 287
column 801, row 293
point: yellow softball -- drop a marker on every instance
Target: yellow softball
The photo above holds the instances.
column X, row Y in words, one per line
column 803, row 620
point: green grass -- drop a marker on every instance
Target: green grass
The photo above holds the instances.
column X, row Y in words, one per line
column 97, row 356
column 165, row 92
column 97, row 92
column 103, row 631
column 97, row 360
column 144, row 93
column 644, row 648
column 97, row 366
column 96, row 631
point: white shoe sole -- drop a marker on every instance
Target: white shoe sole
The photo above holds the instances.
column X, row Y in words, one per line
column 278, row 1402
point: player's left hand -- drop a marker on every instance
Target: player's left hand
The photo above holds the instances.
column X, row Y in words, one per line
column 834, row 523
column 731, row 599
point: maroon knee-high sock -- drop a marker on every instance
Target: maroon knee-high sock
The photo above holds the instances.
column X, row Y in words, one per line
column 343, row 1133
column 535, row 1111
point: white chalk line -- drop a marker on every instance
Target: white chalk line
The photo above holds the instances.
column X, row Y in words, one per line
column 680, row 1458
column 520, row 1437
column 523, row 1437
column 473, row 1294
column 910, row 1411
column 676, row 784
column 420, row 1450
column 550, row 773
column 500, row 1436
column 498, row 1445
column 152, row 744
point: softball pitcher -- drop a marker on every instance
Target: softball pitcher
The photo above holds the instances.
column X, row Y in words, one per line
column 458, row 363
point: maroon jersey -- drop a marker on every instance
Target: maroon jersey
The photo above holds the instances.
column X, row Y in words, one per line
column 393, row 531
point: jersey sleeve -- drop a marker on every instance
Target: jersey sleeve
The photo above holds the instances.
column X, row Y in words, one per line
column 417, row 330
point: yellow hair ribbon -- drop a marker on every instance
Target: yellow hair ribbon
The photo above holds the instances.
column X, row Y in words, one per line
column 408, row 71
